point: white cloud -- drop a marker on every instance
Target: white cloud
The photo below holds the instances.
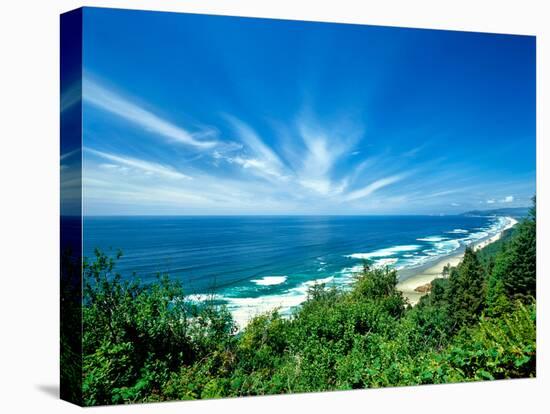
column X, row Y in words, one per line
column 317, row 164
column 146, row 167
column 374, row 186
column 261, row 167
column 109, row 191
column 107, row 166
column 323, row 149
column 413, row 151
column 114, row 103
column 250, row 138
column 71, row 96
column 263, row 161
column 69, row 154
column 321, row 186
column 310, row 167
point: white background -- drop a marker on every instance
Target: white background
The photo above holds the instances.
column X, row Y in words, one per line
column 29, row 207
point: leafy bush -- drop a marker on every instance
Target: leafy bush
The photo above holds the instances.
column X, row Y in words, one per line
column 135, row 335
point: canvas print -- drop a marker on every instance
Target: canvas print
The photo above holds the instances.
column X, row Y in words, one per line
column 260, row 206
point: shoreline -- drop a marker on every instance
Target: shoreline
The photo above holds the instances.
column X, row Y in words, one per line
column 434, row 271
column 243, row 309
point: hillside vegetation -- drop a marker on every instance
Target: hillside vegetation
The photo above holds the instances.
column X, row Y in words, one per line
column 145, row 343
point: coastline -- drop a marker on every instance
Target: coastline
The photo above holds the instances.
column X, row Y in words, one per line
column 244, row 308
column 434, row 271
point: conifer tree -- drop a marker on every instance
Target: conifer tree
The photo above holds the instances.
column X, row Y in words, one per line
column 466, row 290
column 519, row 273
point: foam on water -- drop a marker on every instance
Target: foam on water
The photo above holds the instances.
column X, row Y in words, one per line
column 244, row 309
column 438, row 246
column 446, row 247
column 270, row 280
column 348, row 272
column 476, row 236
column 433, row 239
column 441, row 246
column 457, row 231
column 390, row 251
column 203, row 297
column 385, row 262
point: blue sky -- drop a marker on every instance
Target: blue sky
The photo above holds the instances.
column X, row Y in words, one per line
column 190, row 114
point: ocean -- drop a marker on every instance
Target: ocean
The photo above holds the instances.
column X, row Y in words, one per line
column 255, row 263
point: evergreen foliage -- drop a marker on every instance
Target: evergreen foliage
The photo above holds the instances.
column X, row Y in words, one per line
column 466, row 290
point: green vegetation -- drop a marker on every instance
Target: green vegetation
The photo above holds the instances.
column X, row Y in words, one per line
column 144, row 343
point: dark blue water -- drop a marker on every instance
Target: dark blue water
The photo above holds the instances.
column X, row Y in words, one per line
column 252, row 260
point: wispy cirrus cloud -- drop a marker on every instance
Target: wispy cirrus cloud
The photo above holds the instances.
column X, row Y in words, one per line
column 138, row 186
column 141, row 165
column 308, row 165
column 324, row 148
column 317, row 161
column 504, row 200
column 71, row 96
column 69, row 154
column 116, row 104
column 308, row 160
column 312, row 168
column 374, row 186
column 256, row 155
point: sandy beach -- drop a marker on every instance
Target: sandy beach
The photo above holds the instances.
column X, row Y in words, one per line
column 426, row 275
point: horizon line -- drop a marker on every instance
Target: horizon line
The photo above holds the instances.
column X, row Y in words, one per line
column 289, row 215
